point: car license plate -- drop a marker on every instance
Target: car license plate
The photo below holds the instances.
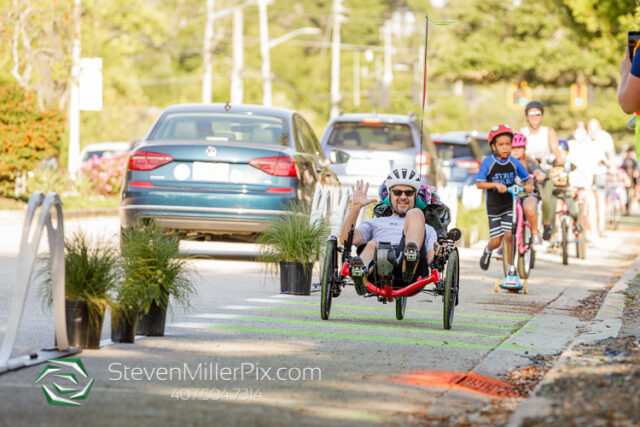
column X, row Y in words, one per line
column 203, row 171
column 367, row 167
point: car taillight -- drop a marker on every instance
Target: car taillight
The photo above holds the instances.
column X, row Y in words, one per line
column 422, row 163
column 470, row 165
column 372, row 121
column 148, row 160
column 276, row 166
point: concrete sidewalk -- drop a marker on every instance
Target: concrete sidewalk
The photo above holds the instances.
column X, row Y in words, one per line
column 606, row 325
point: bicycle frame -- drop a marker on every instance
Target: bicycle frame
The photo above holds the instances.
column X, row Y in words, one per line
column 389, row 293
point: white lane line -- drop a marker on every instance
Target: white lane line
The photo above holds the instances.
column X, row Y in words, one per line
column 216, row 316
column 238, row 307
column 285, row 296
column 191, row 325
column 267, row 300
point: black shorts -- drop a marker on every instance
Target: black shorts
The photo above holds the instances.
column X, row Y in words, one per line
column 499, row 224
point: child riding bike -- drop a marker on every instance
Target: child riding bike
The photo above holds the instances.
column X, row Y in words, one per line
column 404, row 229
column 530, row 202
column 497, row 172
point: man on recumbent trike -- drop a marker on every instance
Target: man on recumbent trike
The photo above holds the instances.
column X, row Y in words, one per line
column 410, row 241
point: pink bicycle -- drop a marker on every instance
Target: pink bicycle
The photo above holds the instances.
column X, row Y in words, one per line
column 521, row 240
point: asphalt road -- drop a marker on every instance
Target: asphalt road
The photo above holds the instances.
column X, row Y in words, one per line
column 261, row 358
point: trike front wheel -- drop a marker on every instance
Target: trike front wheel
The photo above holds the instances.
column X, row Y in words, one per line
column 450, row 295
column 329, row 276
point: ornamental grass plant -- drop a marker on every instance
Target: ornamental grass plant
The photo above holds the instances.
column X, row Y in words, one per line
column 92, row 272
column 154, row 270
column 292, row 238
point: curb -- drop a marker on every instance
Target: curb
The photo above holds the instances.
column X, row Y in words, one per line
column 18, row 215
column 606, row 324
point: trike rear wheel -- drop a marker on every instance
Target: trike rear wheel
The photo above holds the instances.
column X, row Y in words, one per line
column 450, row 295
column 329, row 276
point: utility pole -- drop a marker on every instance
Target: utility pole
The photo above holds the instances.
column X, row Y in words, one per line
column 264, row 52
column 237, row 86
column 335, row 58
column 387, row 76
column 207, row 54
column 74, row 95
column 356, row 78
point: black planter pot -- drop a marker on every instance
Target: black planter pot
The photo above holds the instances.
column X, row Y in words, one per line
column 123, row 328
column 80, row 331
column 152, row 323
column 295, row 278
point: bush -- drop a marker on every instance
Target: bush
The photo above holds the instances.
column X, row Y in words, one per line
column 27, row 134
column 106, row 173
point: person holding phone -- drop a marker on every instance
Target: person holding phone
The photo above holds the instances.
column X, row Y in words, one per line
column 629, row 88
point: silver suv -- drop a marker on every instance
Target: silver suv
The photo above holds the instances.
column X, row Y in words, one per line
column 369, row 146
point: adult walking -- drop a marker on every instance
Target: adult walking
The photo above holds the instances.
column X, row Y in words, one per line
column 601, row 145
column 542, row 142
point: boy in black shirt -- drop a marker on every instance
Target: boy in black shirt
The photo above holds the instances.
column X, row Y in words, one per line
column 496, row 173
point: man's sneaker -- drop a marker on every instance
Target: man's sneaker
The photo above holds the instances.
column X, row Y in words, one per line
column 546, row 234
column 409, row 262
column 485, row 259
column 536, row 241
column 358, row 274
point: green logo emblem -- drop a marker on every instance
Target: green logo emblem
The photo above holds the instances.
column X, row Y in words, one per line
column 75, row 392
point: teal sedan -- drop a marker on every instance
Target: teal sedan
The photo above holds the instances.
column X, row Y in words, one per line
column 221, row 171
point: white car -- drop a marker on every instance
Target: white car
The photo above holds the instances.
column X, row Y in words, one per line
column 103, row 149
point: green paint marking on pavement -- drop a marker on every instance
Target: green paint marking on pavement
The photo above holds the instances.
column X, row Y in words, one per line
column 399, row 340
column 368, row 326
column 414, row 310
column 376, row 317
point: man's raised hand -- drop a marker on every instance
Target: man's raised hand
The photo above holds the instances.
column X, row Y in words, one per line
column 360, row 194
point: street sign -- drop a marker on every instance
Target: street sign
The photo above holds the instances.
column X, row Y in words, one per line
column 579, row 96
column 90, row 82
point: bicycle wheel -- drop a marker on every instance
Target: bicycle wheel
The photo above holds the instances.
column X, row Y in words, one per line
column 329, row 275
column 524, row 260
column 401, row 306
column 564, row 226
column 450, row 295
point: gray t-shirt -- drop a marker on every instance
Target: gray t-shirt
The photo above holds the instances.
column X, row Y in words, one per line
column 389, row 229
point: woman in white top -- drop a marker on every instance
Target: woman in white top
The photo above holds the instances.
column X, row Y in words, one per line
column 542, row 141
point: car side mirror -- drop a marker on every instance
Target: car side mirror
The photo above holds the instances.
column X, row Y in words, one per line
column 454, row 234
column 337, row 156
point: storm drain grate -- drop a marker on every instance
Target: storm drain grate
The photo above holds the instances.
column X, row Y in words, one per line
column 459, row 380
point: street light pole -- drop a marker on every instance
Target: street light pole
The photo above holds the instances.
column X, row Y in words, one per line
column 74, row 95
column 264, row 52
column 237, row 86
column 335, row 58
column 207, row 54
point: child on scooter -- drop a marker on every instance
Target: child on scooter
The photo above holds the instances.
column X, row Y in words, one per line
column 496, row 173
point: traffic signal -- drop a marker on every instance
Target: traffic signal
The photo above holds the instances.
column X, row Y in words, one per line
column 518, row 95
column 579, row 96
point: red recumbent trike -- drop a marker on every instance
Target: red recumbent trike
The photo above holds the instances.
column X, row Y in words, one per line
column 443, row 273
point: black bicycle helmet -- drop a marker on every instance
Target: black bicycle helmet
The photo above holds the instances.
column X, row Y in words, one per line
column 534, row 104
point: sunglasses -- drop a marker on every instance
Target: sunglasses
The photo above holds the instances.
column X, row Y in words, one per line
column 408, row 193
column 496, row 127
column 534, row 113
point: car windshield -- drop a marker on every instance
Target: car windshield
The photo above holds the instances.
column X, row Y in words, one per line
column 221, row 127
column 362, row 136
column 453, row 151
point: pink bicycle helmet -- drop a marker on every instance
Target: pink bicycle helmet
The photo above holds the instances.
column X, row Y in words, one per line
column 519, row 140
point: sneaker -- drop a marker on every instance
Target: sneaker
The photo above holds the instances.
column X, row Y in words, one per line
column 357, row 273
column 546, row 234
column 485, row 259
column 536, row 241
column 409, row 262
